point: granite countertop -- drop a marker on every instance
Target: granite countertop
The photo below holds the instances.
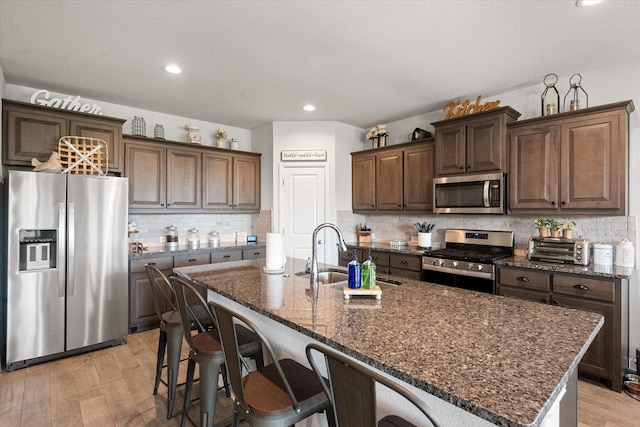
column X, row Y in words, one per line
column 184, row 250
column 379, row 246
column 501, row 359
column 586, row 270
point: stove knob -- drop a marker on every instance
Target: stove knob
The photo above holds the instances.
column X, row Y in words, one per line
column 441, row 262
column 455, row 263
column 470, row 265
column 480, row 267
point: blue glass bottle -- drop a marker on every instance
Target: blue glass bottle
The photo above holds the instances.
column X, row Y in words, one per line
column 355, row 272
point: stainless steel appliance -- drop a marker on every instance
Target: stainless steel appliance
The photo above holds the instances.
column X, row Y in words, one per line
column 553, row 249
column 467, row 260
column 66, row 284
column 470, row 194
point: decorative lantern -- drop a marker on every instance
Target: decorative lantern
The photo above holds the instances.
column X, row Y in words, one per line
column 550, row 97
column 579, row 98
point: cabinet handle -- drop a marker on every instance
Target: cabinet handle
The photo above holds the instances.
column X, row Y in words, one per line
column 553, row 203
column 522, row 279
column 404, row 261
column 581, row 287
column 230, row 206
column 256, row 253
column 544, row 300
column 227, row 256
column 468, row 166
column 373, row 206
column 161, row 204
column 192, row 260
column 151, row 263
column 555, row 302
column 461, row 167
column 563, row 203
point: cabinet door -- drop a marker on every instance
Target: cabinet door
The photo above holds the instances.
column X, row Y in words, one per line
column 533, row 179
column 30, row 134
column 184, row 174
column 601, row 357
column 145, row 166
column 418, row 178
column 246, row 183
column 110, row 133
column 389, row 181
column 486, row 148
column 217, row 181
column 142, row 313
column 593, row 166
column 363, row 182
column 450, row 149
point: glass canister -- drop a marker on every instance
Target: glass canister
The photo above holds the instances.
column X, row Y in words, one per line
column 214, row 239
column 193, row 238
column 170, row 234
column 138, row 126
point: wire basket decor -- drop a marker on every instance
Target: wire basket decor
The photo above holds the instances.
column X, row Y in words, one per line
column 83, row 156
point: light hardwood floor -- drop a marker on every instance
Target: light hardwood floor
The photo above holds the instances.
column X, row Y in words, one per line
column 113, row 387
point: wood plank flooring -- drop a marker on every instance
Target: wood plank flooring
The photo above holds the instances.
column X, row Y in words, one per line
column 113, row 387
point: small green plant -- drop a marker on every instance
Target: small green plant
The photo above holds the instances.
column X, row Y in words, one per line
column 554, row 223
column 541, row 222
column 567, row 224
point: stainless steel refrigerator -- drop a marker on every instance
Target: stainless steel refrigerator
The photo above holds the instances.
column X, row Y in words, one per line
column 66, row 287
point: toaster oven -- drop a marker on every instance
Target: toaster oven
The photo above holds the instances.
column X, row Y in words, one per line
column 565, row 251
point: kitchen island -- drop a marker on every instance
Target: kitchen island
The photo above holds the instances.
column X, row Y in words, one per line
column 477, row 359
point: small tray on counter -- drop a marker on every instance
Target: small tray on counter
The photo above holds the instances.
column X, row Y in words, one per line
column 349, row 292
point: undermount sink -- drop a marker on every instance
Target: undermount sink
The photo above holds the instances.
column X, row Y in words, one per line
column 331, row 276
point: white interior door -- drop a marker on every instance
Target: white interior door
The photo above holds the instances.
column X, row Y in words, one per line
column 302, row 209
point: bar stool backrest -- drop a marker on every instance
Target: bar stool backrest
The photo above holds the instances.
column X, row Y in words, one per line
column 352, row 389
column 160, row 293
column 226, row 319
column 186, row 291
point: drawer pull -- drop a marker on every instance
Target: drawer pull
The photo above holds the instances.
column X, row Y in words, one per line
column 256, row 253
column 544, row 300
column 227, row 256
column 581, row 287
column 404, row 261
column 192, row 260
column 151, row 263
column 555, row 302
column 522, row 279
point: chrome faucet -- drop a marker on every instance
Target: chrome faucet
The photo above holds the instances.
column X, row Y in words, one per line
column 314, row 253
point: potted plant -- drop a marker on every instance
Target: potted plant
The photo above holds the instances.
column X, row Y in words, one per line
column 567, row 227
column 555, row 227
column 542, row 224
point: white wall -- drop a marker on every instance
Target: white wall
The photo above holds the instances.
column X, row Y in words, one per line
column 3, row 84
column 173, row 125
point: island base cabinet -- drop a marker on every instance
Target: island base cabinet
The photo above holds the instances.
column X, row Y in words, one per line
column 605, row 359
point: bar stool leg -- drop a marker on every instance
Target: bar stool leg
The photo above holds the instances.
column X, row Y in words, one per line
column 162, row 344
column 209, row 374
column 174, row 345
column 191, row 366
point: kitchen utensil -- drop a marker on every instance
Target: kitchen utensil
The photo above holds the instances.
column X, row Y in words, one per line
column 418, row 227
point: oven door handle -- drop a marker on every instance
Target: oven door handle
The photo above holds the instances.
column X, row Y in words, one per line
column 468, row 273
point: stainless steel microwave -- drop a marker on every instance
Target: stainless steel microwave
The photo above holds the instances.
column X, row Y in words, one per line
column 471, row 194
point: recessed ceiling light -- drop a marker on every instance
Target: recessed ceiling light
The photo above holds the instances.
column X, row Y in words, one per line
column 172, row 68
column 585, row 3
column 309, row 107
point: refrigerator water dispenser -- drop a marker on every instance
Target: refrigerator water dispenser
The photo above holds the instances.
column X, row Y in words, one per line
column 37, row 249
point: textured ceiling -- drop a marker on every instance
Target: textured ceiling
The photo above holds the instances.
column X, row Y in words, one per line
column 246, row 63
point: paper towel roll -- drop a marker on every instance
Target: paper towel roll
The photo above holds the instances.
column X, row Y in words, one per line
column 275, row 251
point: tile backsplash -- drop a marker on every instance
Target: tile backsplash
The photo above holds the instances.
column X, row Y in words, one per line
column 598, row 229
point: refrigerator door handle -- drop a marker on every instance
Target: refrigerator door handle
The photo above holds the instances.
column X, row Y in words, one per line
column 71, row 249
column 62, row 227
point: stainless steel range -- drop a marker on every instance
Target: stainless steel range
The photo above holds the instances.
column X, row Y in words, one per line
column 468, row 259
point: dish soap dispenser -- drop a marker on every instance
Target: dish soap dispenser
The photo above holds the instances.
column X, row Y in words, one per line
column 368, row 273
column 355, row 272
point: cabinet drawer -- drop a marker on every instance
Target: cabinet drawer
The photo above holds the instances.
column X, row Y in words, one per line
column 522, row 278
column 190, row 259
column 406, row 262
column 254, row 253
column 226, row 256
column 378, row 258
column 399, row 272
column 586, row 288
column 162, row 263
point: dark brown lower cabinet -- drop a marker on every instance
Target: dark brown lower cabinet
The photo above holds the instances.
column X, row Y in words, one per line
column 388, row 263
column 607, row 357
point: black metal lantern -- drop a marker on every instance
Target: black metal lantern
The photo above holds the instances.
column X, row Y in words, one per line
column 579, row 98
column 550, row 97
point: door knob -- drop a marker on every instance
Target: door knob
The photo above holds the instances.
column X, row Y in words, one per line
column 319, row 241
